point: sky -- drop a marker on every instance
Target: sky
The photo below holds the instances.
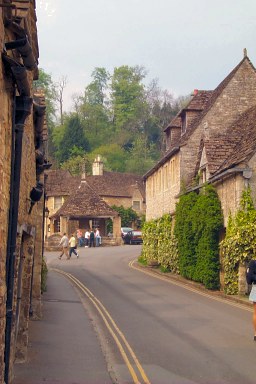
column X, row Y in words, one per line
column 185, row 44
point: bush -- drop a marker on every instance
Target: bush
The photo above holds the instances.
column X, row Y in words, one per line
column 239, row 245
column 198, row 222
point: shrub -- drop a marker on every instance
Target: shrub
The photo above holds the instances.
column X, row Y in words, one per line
column 239, row 245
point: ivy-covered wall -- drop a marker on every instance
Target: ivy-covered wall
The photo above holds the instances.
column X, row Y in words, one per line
column 193, row 248
column 239, row 245
column 159, row 244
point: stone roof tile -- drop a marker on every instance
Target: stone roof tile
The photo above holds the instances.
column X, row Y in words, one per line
column 85, row 203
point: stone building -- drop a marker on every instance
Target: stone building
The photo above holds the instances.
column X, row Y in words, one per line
column 211, row 140
column 113, row 188
column 22, row 162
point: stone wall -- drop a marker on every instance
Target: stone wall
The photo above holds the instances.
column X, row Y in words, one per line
column 162, row 188
column 236, row 98
column 26, row 247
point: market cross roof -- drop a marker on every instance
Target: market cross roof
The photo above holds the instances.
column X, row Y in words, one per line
column 85, row 202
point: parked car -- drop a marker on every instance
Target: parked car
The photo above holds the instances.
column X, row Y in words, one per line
column 125, row 230
column 133, row 237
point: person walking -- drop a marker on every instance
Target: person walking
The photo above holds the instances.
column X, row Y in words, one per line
column 97, row 237
column 251, row 279
column 87, row 238
column 72, row 249
column 64, row 243
column 91, row 239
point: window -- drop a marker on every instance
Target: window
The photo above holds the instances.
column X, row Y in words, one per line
column 136, row 205
column 95, row 223
column 57, row 202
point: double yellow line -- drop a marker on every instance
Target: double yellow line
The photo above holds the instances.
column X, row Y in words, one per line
column 113, row 329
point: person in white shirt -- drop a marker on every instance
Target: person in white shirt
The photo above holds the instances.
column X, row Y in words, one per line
column 72, row 249
column 87, row 238
column 64, row 244
column 97, row 237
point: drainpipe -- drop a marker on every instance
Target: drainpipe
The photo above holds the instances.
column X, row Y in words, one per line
column 21, row 109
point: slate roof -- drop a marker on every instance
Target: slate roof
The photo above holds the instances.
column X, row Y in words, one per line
column 198, row 101
column 206, row 102
column 175, row 123
column 241, row 138
column 213, row 97
column 116, row 184
column 60, row 182
column 85, row 203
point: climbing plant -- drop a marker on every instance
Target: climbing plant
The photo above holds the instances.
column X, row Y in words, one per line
column 239, row 245
column 159, row 244
column 183, row 231
column 198, row 222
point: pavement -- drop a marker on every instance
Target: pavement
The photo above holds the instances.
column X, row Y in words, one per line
column 63, row 345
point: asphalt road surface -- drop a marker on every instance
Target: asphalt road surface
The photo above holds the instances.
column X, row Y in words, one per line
column 154, row 331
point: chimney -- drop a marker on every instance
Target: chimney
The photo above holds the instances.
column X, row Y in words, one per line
column 97, row 167
column 195, row 92
column 245, row 52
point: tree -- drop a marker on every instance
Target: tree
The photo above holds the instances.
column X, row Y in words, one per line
column 114, row 157
column 60, row 86
column 77, row 164
column 128, row 215
column 127, row 96
column 46, row 84
column 92, row 109
column 141, row 156
column 73, row 139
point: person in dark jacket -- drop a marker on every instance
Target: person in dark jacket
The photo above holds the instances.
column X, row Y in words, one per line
column 91, row 239
column 251, row 279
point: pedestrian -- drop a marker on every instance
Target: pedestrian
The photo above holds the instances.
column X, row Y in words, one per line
column 97, row 237
column 79, row 235
column 87, row 238
column 72, row 249
column 91, row 239
column 64, row 243
column 251, row 279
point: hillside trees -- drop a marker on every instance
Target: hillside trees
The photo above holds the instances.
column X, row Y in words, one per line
column 122, row 119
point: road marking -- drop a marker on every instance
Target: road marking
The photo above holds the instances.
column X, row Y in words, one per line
column 167, row 280
column 114, row 330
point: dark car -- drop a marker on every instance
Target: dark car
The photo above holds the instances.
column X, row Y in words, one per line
column 133, row 237
column 124, row 231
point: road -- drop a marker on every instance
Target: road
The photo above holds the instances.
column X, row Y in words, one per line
column 154, row 331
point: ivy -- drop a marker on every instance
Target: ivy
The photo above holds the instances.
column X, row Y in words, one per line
column 198, row 222
column 159, row 244
column 239, row 245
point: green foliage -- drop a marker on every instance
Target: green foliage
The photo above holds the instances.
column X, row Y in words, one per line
column 114, row 157
column 128, row 215
column 116, row 110
column 127, row 97
column 198, row 222
column 141, row 157
column 142, row 261
column 72, row 139
column 183, row 231
column 77, row 164
column 159, row 244
column 44, row 271
column 239, row 245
